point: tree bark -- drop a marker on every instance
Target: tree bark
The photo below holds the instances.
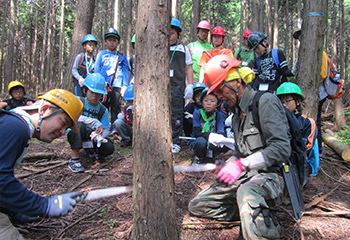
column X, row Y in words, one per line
column 340, row 148
column 255, row 13
column 310, row 55
column 60, row 56
column 275, row 25
column 268, row 19
column 128, row 9
column 43, row 50
column 195, row 18
column 82, row 26
column 10, row 49
column 154, row 193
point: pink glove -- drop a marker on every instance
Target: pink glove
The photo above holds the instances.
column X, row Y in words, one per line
column 230, row 172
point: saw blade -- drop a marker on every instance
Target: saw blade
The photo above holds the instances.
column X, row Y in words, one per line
column 195, row 168
column 107, row 192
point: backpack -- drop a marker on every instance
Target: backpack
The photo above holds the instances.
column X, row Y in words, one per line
column 97, row 115
column 274, row 53
column 333, row 84
column 295, row 170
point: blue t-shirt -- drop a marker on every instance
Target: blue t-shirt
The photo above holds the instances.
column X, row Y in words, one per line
column 106, row 60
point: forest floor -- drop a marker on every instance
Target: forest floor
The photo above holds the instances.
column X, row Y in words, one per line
column 112, row 217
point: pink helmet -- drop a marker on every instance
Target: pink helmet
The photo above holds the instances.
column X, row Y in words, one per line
column 204, row 24
column 247, row 33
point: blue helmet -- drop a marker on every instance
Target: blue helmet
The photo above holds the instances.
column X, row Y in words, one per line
column 176, row 23
column 95, row 82
column 198, row 86
column 88, row 38
column 205, row 92
column 129, row 93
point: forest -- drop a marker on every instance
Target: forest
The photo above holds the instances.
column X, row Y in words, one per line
column 38, row 45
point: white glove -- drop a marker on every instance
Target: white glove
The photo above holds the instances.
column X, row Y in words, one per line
column 219, row 141
column 188, row 115
column 122, row 90
column 81, row 80
column 228, row 121
column 189, row 91
column 294, row 69
column 99, row 138
column 120, row 116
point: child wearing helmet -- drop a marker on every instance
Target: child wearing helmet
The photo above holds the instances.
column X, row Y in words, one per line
column 131, row 61
column 84, row 63
column 113, row 66
column 17, row 91
column 243, row 53
column 123, row 124
column 199, row 46
column 180, row 67
column 207, row 120
column 270, row 66
column 291, row 97
column 217, row 38
column 191, row 107
column 93, row 125
column 47, row 119
column 250, row 181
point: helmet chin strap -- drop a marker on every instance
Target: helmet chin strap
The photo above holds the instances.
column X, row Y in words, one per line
column 37, row 129
column 202, row 39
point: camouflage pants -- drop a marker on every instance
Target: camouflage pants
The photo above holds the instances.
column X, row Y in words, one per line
column 240, row 200
column 7, row 230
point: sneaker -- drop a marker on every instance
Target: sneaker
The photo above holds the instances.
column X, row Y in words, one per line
column 176, row 148
column 197, row 161
column 75, row 166
column 126, row 143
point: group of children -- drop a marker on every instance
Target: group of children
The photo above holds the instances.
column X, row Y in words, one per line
column 101, row 82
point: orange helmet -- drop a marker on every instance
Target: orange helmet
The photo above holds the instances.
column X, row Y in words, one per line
column 218, row 31
column 216, row 69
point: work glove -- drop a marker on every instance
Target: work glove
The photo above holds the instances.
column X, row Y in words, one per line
column 188, row 115
column 98, row 138
column 23, row 218
column 61, row 205
column 122, row 90
column 189, row 91
column 81, row 80
column 230, row 172
column 219, row 140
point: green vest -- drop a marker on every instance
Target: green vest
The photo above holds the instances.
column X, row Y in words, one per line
column 244, row 55
column 197, row 49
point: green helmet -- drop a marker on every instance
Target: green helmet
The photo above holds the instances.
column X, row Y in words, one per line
column 112, row 32
column 133, row 38
column 254, row 39
column 289, row 88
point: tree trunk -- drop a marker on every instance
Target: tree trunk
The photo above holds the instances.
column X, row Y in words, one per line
column 341, row 65
column 255, row 13
column 10, row 54
column 195, row 18
column 241, row 26
column 310, row 55
column 154, row 193
column 128, row 9
column 82, row 26
column 340, row 148
column 43, row 52
column 268, row 19
column 174, row 8
column 60, row 56
column 117, row 14
column 247, row 14
column 275, row 26
column 34, row 72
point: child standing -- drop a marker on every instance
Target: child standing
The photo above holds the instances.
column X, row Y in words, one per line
column 113, row 66
column 17, row 92
column 84, row 64
column 270, row 66
column 180, row 66
column 207, row 120
column 191, row 107
column 95, row 119
column 291, row 97
column 123, row 125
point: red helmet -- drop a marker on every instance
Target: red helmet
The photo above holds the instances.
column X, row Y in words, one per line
column 216, row 69
column 218, row 31
column 204, row 24
column 247, row 33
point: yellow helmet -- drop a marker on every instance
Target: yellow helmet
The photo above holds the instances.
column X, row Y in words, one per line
column 15, row 84
column 67, row 101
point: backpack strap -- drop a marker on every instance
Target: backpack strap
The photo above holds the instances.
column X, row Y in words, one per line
column 100, row 112
column 239, row 53
column 254, row 108
column 2, row 111
column 274, row 53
